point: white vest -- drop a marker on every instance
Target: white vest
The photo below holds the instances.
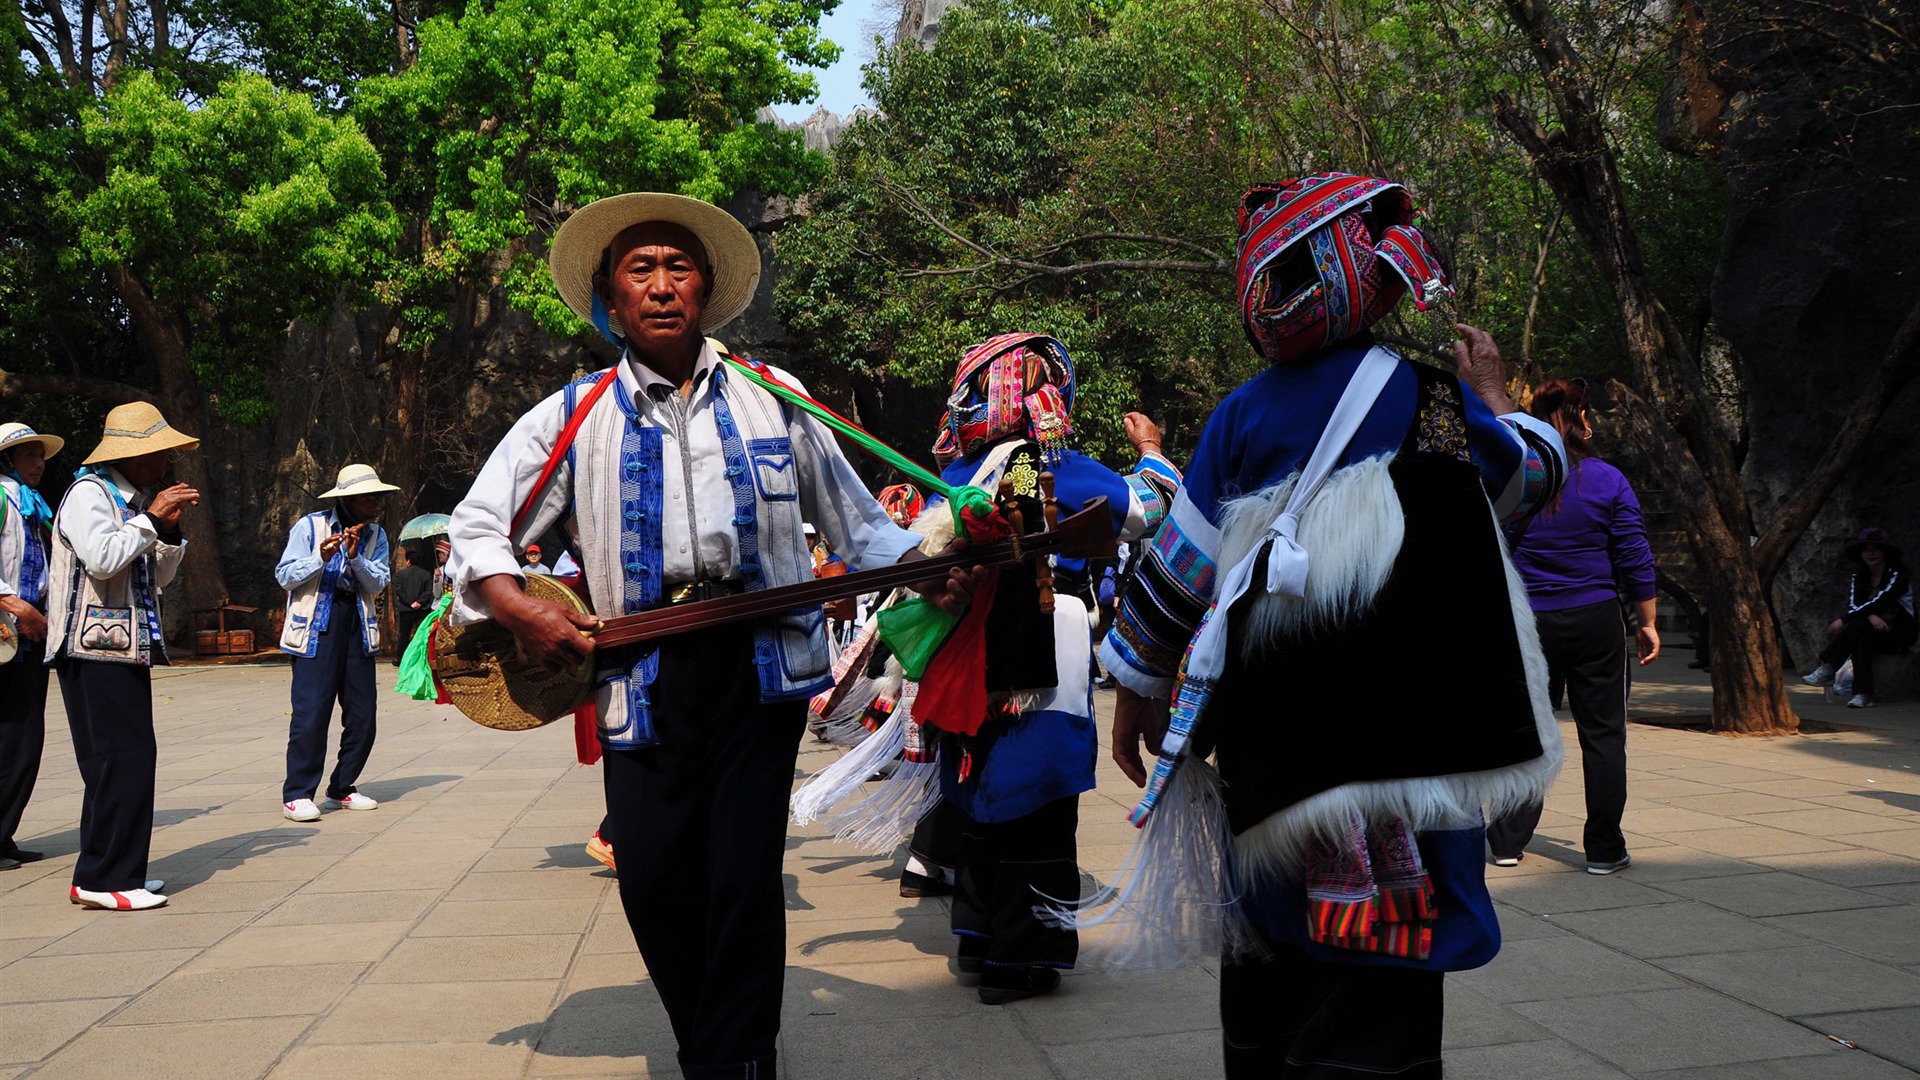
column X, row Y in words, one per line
column 303, row 600
column 618, row 488
column 109, row 618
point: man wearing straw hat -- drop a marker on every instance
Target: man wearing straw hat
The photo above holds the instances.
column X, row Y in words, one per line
column 687, row 481
column 334, row 568
column 117, row 547
column 26, row 527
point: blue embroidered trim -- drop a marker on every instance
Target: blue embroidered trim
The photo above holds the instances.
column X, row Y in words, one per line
column 641, row 505
column 141, row 578
column 746, row 530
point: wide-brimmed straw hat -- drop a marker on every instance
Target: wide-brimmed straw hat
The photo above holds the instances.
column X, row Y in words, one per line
column 731, row 250
column 1872, row 535
column 134, row 430
column 357, row 479
column 12, row 435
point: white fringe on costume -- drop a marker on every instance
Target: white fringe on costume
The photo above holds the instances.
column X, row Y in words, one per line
column 1175, row 898
column 1174, row 902
column 1354, row 528
column 844, row 726
column 835, row 783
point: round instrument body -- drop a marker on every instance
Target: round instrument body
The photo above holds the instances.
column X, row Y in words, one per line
column 9, row 638
column 480, row 667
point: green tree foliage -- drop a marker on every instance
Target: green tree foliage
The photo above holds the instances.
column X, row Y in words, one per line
column 518, row 110
column 237, row 216
column 1071, row 166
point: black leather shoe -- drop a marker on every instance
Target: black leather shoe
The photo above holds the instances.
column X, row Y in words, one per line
column 1000, row 985
column 914, row 886
column 23, row 855
column 9, row 864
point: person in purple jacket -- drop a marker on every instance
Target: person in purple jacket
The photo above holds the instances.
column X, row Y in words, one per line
column 1580, row 558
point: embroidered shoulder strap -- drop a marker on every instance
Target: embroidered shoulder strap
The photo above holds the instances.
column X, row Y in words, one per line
column 564, row 443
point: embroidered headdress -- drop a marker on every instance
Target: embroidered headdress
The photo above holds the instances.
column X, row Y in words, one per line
column 1324, row 257
column 1007, row 385
column 903, row 503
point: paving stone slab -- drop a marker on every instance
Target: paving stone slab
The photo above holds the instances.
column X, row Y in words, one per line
column 1746, row 801
column 295, row 946
column 448, row 1012
column 1671, row 1029
column 1083, row 1010
column 1800, row 981
column 604, row 1034
column 221, row 1050
column 1545, row 1060
column 899, row 989
column 162, row 928
column 1853, row 867
column 1553, row 894
column 1472, row 1020
column 459, row 918
column 1831, row 821
column 510, row 957
column 239, row 993
column 1893, row 1034
column 88, row 975
column 1748, row 841
column 404, row 1061
column 1675, row 862
column 1548, row 968
column 1677, row 929
column 30, row 1031
column 323, row 908
column 1890, row 935
column 853, row 941
column 1840, row 1064
column 1773, row 893
column 1188, row 1055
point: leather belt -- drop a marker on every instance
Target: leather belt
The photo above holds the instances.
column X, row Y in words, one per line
column 706, row 589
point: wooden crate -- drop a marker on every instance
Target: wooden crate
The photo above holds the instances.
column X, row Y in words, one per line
column 223, row 642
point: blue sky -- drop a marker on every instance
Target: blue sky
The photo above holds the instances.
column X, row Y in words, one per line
column 840, row 84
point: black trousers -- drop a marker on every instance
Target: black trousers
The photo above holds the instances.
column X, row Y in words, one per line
column 1296, row 1018
column 1005, row 869
column 936, row 839
column 1859, row 641
column 339, row 670
column 23, row 735
column 1587, row 646
column 110, row 711
column 699, row 824
column 406, row 623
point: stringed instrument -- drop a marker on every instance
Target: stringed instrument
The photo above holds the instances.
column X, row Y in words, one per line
column 480, row 667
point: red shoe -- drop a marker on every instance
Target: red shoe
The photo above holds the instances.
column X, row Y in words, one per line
column 601, row 851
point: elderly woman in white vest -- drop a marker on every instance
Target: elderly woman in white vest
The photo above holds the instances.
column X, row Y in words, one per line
column 686, row 481
column 334, row 567
column 26, row 531
column 117, row 544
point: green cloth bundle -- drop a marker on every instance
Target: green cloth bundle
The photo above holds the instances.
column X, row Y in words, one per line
column 416, row 672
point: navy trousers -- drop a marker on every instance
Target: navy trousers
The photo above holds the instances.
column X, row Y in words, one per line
column 23, row 735
column 110, row 710
column 699, row 824
column 340, row 670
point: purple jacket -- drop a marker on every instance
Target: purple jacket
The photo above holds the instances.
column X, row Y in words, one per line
column 1591, row 547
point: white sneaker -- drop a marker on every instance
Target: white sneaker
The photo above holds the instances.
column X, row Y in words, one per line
column 355, row 801
column 302, row 810
column 1859, row 701
column 134, row 900
column 1820, row 676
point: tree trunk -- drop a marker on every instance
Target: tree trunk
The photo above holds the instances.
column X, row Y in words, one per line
column 405, row 445
column 180, row 398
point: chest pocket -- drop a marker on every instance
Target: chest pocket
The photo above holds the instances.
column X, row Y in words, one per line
column 773, row 469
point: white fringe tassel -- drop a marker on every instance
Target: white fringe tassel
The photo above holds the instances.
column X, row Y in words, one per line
column 835, row 783
column 844, row 726
column 879, row 823
column 1174, row 901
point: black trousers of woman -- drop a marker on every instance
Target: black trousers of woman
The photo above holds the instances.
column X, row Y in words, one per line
column 23, row 736
column 1860, row 642
column 699, row 824
column 1588, row 647
column 1293, row 1017
column 110, row 711
column 1005, row 868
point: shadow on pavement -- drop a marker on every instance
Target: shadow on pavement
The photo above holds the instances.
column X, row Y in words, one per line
column 67, row 841
column 397, row 787
column 188, row 867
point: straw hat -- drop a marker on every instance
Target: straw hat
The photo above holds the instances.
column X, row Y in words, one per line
column 12, row 435
column 731, row 250
column 136, row 429
column 357, row 479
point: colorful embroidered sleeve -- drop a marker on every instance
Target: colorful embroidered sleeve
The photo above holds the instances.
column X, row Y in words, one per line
column 1522, row 463
column 1152, row 483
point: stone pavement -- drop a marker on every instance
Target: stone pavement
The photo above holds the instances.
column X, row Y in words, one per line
column 1769, row 928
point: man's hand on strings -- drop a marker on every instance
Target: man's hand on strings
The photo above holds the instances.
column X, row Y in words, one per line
column 953, row 592
column 1135, row 719
column 555, row 637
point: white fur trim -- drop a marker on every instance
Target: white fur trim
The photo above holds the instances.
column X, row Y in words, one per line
column 1354, row 528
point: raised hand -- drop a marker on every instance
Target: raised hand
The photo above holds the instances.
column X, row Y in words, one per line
column 166, row 507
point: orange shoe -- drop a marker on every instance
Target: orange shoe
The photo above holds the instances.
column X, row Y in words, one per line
column 601, row 851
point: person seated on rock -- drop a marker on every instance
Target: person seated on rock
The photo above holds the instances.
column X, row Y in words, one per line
column 1879, row 616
